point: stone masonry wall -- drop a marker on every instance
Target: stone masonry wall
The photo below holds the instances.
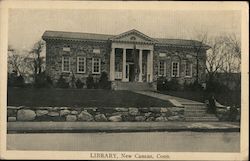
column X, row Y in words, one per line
column 86, row 114
column 54, row 54
column 180, row 55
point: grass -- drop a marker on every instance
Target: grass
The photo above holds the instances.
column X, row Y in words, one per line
column 32, row 97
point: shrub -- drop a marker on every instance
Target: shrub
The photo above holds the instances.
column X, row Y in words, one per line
column 104, row 83
column 79, row 83
column 161, row 84
column 14, row 80
column 90, row 82
column 61, row 83
column 42, row 81
column 194, row 86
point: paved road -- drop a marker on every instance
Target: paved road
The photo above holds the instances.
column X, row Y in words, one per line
column 139, row 141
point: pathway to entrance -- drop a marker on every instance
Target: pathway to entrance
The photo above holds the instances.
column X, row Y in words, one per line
column 193, row 110
column 174, row 100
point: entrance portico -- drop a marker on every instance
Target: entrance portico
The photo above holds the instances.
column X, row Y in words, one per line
column 131, row 61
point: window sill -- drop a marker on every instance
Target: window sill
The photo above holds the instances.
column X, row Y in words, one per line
column 96, row 73
column 80, row 72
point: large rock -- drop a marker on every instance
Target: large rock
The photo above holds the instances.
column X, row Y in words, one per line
column 100, row 118
column 148, row 114
column 150, row 119
column 155, row 109
column 140, row 118
column 177, row 110
column 71, row 118
column 53, row 113
column 120, row 109
column 115, row 118
column 161, row 119
column 164, row 110
column 25, row 115
column 144, row 109
column 175, row 118
column 11, row 112
column 41, row 112
column 85, row 116
column 74, row 112
column 64, row 112
column 11, row 119
column 133, row 111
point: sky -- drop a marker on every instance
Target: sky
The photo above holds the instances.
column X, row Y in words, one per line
column 26, row 26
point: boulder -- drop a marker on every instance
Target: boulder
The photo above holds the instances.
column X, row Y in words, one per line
column 133, row 111
column 25, row 115
column 85, row 116
column 155, row 109
column 150, row 119
column 148, row 114
column 64, row 108
column 161, row 119
column 120, row 109
column 140, row 118
column 144, row 109
column 53, row 113
column 175, row 118
column 177, row 110
column 71, row 118
column 41, row 112
column 11, row 112
column 11, row 119
column 64, row 112
column 100, row 118
column 164, row 110
column 74, row 112
column 115, row 118
column 120, row 113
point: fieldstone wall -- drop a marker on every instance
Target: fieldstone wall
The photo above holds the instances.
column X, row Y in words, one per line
column 54, row 54
column 100, row 114
column 180, row 54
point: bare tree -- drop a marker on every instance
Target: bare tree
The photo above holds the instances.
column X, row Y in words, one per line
column 38, row 59
column 199, row 46
column 232, row 61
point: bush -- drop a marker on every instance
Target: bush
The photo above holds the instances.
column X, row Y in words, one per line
column 194, row 86
column 61, row 83
column 42, row 81
column 104, row 83
column 15, row 81
column 215, row 86
column 79, row 83
column 165, row 85
column 90, row 82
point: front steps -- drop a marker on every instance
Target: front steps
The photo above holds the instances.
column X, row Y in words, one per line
column 198, row 112
column 133, row 86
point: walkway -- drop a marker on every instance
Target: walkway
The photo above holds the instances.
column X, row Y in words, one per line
column 176, row 101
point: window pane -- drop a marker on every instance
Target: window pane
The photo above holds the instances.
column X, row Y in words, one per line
column 66, row 64
column 96, row 65
column 81, row 64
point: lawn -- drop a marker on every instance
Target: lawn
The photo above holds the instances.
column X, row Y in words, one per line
column 80, row 97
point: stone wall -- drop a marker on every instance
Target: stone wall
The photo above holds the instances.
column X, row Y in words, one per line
column 54, row 54
column 180, row 55
column 100, row 114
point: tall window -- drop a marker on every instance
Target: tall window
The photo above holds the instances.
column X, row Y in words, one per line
column 96, row 65
column 188, row 69
column 81, row 64
column 175, row 69
column 162, row 68
column 65, row 64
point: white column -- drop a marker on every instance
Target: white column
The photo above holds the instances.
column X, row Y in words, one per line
column 148, row 66
column 140, row 65
column 124, row 65
column 151, row 66
column 112, row 65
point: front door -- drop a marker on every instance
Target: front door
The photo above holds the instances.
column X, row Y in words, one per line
column 127, row 73
column 131, row 72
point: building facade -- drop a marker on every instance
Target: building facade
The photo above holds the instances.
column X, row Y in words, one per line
column 128, row 57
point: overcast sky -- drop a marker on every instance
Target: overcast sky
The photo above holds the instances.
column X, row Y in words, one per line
column 26, row 26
